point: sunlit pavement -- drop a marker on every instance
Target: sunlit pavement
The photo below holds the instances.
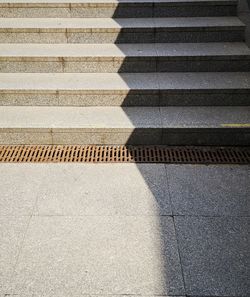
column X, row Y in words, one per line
column 121, row 229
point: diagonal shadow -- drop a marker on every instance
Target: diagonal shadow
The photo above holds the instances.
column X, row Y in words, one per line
column 170, row 279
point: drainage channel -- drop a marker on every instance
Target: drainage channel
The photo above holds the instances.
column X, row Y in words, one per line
column 123, row 154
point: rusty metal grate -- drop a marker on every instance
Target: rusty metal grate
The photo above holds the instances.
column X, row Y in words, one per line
column 123, row 154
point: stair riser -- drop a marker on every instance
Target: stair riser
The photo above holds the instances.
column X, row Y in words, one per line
column 191, row 136
column 227, row 98
column 218, row 137
column 153, row 98
column 123, row 11
column 121, row 65
column 131, row 65
column 126, row 36
column 210, row 65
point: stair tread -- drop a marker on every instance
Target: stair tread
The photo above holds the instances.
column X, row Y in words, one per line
column 70, row 118
column 21, row 82
column 44, row 2
column 123, row 50
column 202, row 49
column 63, row 24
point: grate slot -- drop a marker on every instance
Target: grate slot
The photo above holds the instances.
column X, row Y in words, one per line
column 123, row 154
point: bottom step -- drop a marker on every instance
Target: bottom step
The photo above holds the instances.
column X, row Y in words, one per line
column 130, row 125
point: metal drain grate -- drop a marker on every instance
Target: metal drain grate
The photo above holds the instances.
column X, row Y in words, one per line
column 123, row 154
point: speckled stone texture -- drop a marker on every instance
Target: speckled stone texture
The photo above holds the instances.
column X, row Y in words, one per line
column 63, row 233
column 12, row 230
column 133, row 30
column 173, row 72
column 92, row 258
column 215, row 255
column 123, row 125
column 244, row 15
column 125, row 89
column 76, row 243
column 121, row 9
column 113, row 58
column 209, row 190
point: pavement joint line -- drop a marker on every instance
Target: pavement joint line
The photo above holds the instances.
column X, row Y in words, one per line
column 175, row 229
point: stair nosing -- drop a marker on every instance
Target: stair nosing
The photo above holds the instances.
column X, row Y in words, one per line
column 66, row 25
column 88, row 3
column 122, row 83
column 112, row 52
column 125, row 118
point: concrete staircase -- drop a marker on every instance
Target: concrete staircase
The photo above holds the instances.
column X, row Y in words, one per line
column 174, row 72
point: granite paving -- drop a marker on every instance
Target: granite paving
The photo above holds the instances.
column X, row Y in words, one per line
column 124, row 229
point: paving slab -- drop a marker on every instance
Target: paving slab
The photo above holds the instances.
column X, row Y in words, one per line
column 221, row 190
column 122, row 82
column 12, row 230
column 103, row 189
column 203, row 81
column 84, row 189
column 202, row 22
column 98, row 255
column 60, row 24
column 73, row 118
column 72, row 51
column 19, row 186
column 84, row 82
column 205, row 116
column 215, row 255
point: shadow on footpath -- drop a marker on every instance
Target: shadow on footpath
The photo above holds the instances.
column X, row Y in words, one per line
column 170, row 276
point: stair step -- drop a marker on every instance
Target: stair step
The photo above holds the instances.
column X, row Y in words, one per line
column 118, row 9
column 160, row 57
column 123, row 30
column 131, row 125
column 126, row 89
